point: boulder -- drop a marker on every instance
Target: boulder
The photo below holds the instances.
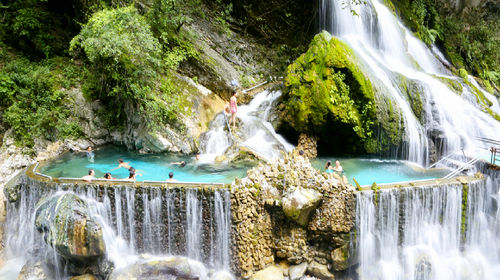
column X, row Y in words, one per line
column 34, row 271
column 295, row 272
column 158, row 268
column 12, row 188
column 299, row 203
column 320, row 270
column 340, row 258
column 273, row 272
column 66, row 224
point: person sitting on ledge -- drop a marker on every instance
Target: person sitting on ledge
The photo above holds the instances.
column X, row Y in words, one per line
column 171, row 177
column 90, row 176
column 121, row 164
column 180, row 163
column 108, row 176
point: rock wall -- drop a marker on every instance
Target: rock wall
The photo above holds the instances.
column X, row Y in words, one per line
column 289, row 213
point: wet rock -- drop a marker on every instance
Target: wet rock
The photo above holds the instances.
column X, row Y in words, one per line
column 296, row 272
column 11, row 189
column 320, row 270
column 158, row 268
column 340, row 258
column 273, row 272
column 84, row 277
column 66, row 224
column 299, row 204
column 34, row 271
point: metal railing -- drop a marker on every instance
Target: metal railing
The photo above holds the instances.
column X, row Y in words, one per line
column 466, row 165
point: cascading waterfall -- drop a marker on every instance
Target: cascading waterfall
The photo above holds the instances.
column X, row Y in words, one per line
column 387, row 49
column 429, row 232
column 151, row 220
column 254, row 132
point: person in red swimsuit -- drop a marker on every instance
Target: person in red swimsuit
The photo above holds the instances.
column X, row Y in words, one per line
column 233, row 105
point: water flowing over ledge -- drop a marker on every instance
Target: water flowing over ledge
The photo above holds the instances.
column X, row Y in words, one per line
column 191, row 220
column 446, row 231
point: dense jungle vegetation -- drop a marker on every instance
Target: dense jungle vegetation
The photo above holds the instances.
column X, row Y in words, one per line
column 125, row 53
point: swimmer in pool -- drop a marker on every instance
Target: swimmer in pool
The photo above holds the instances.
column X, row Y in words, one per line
column 108, row 176
column 180, row 163
column 121, row 164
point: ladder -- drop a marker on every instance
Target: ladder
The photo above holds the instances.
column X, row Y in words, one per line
column 462, row 168
column 444, row 159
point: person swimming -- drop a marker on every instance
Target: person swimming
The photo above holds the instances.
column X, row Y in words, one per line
column 180, row 163
column 108, row 176
column 121, row 164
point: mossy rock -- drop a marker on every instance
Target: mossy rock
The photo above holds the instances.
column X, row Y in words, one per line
column 66, row 224
column 325, row 88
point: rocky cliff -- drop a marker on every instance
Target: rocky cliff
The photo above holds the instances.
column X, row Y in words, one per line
column 290, row 213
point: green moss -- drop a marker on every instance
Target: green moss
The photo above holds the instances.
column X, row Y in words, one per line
column 484, row 102
column 414, row 93
column 463, row 224
column 375, row 189
column 452, row 84
column 325, row 86
column 463, row 73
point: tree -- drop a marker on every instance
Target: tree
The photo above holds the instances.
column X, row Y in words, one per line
column 123, row 57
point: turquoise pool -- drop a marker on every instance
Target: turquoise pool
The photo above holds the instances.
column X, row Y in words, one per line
column 152, row 167
column 367, row 171
column 155, row 167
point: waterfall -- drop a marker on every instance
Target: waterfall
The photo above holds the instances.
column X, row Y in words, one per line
column 388, row 50
column 254, row 131
column 429, row 232
column 147, row 220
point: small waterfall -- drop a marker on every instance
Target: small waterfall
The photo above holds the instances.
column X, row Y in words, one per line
column 193, row 224
column 388, row 50
column 254, row 131
column 150, row 220
column 429, row 232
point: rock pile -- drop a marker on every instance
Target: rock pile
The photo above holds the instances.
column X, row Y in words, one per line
column 308, row 144
column 289, row 211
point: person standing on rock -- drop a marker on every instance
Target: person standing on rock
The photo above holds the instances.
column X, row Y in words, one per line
column 233, row 106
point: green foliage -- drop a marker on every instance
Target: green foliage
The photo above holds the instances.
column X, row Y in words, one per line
column 34, row 105
column 469, row 37
column 123, row 57
column 166, row 18
column 463, row 73
column 324, row 86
